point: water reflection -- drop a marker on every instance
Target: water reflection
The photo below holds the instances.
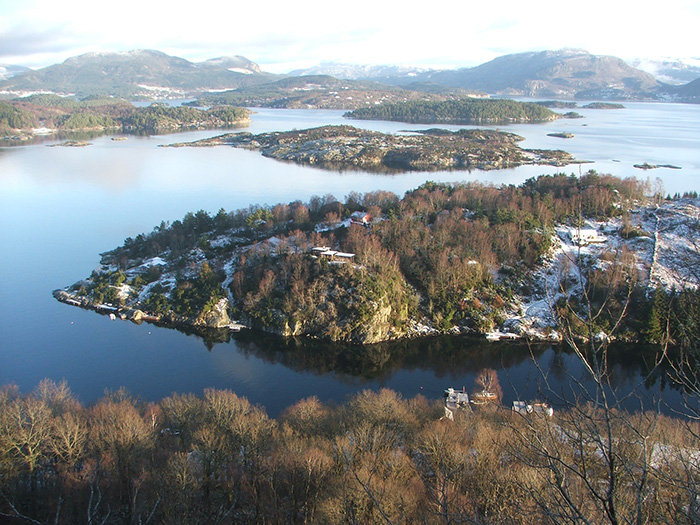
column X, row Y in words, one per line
column 530, row 369
column 443, row 356
column 61, row 207
column 630, row 366
column 88, row 135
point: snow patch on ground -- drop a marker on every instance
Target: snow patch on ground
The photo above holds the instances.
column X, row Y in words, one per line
column 154, row 261
column 665, row 246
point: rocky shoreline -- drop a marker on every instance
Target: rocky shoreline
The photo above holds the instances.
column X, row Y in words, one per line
column 217, row 319
column 217, row 326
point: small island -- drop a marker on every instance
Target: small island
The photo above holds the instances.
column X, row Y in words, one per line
column 604, row 105
column 461, row 111
column 461, row 258
column 347, row 147
column 561, row 135
column 558, row 104
column 71, row 144
column 646, row 166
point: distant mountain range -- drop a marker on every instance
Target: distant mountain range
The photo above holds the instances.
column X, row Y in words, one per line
column 565, row 73
column 670, row 71
column 328, row 92
column 138, row 74
column 147, row 74
column 387, row 74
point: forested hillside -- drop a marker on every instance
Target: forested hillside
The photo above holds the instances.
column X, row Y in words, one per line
column 51, row 112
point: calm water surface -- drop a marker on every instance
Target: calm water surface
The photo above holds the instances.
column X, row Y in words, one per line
column 61, row 207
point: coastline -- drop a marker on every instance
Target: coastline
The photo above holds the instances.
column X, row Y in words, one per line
column 366, row 301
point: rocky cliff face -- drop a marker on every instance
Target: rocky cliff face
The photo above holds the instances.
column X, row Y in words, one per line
column 379, row 327
column 217, row 317
column 376, row 329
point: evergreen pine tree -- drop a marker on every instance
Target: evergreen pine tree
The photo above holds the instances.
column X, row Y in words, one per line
column 657, row 323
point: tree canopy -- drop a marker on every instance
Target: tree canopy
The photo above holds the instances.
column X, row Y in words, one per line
column 455, row 254
column 462, row 111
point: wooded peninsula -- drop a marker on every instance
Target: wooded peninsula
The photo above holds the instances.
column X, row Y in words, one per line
column 446, row 258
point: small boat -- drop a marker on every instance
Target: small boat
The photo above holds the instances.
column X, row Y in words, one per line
column 483, row 397
column 106, row 308
column 500, row 336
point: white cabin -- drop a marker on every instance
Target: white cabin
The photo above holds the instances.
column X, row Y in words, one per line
column 586, row 236
column 456, row 399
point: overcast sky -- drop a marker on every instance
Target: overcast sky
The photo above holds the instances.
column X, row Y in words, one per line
column 281, row 35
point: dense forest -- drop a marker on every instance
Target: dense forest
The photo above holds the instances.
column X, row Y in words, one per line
column 107, row 113
column 377, row 458
column 12, row 118
column 464, row 111
column 449, row 257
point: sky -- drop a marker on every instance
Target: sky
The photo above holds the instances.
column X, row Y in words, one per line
column 282, row 35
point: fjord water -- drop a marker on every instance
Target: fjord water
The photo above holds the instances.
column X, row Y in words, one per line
column 61, row 207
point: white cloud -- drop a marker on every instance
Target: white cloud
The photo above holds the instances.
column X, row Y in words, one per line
column 281, row 35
